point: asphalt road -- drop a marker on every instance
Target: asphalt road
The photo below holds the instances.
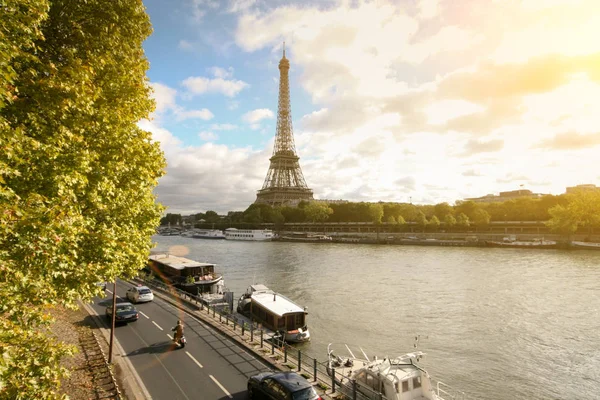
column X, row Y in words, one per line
column 209, row 367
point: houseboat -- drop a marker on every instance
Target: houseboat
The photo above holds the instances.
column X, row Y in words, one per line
column 391, row 378
column 275, row 312
column 249, row 234
column 194, row 277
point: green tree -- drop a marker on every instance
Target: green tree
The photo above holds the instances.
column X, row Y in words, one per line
column 317, row 212
column 434, row 223
column 391, row 220
column 449, row 221
column 76, row 172
column 375, row 213
column 212, row 217
column 582, row 210
column 462, row 221
column 480, row 217
column 441, row 210
column 421, row 220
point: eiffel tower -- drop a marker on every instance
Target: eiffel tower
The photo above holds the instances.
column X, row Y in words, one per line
column 284, row 184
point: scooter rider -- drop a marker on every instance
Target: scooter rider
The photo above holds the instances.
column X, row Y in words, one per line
column 178, row 331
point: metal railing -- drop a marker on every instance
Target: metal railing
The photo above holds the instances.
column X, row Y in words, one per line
column 273, row 347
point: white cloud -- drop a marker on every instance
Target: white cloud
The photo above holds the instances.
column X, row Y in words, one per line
column 208, row 136
column 240, row 5
column 164, row 96
column 219, row 72
column 254, row 116
column 200, row 85
column 428, row 8
column 203, row 114
column 185, row 45
column 223, row 127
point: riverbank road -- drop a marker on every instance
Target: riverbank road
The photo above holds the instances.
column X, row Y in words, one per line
column 210, row 366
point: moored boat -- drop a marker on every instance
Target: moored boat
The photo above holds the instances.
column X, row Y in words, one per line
column 208, row 234
column 275, row 312
column 585, row 245
column 249, row 234
column 535, row 244
column 194, row 277
column 398, row 378
column 304, row 237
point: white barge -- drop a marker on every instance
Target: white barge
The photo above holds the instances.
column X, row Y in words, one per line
column 275, row 312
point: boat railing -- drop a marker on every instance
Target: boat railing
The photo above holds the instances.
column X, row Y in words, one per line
column 211, row 276
column 447, row 392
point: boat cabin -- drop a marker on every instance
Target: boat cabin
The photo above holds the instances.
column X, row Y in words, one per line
column 179, row 269
column 274, row 311
column 395, row 379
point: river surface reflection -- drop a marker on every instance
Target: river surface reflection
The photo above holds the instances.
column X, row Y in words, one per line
column 495, row 323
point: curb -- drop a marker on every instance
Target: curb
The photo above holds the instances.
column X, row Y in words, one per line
column 132, row 385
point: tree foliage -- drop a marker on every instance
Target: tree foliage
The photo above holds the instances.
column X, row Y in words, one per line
column 76, row 173
column 582, row 209
column 317, row 212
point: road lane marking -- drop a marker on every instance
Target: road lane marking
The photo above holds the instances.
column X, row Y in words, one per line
column 157, row 325
column 170, row 337
column 200, row 365
column 143, row 314
column 221, row 386
column 109, row 291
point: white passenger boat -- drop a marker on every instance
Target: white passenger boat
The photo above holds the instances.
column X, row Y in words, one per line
column 398, row 378
column 208, row 234
column 275, row 312
column 248, row 234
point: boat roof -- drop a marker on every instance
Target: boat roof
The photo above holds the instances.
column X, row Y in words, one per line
column 178, row 262
column 401, row 368
column 276, row 303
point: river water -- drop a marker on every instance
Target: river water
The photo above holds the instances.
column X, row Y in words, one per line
column 495, row 323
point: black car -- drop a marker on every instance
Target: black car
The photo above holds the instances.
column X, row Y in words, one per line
column 125, row 312
column 281, row 386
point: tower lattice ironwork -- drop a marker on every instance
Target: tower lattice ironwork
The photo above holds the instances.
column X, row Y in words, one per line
column 284, row 184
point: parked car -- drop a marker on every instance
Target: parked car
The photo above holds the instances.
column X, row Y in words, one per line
column 139, row 294
column 102, row 285
column 125, row 312
column 281, row 386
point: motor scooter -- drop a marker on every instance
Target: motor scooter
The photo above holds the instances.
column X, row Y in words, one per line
column 181, row 342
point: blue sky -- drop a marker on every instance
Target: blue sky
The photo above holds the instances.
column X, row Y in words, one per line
column 427, row 100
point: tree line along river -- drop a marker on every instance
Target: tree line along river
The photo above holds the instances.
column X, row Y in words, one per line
column 495, row 323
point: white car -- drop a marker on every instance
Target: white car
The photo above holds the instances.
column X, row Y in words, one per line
column 139, row 294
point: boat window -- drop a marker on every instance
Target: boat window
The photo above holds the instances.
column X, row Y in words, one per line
column 361, row 376
column 416, row 382
column 405, row 386
column 370, row 381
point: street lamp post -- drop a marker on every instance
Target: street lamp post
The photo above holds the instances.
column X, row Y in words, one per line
column 112, row 327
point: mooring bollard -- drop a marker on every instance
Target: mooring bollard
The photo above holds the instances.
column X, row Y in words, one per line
column 261, row 338
column 332, row 380
column 285, row 354
column 243, row 326
column 227, row 320
column 234, row 323
column 214, row 311
column 353, row 389
column 315, row 368
column 272, row 346
column 252, row 333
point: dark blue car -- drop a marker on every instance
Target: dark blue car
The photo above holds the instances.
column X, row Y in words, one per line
column 126, row 312
column 281, row 386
